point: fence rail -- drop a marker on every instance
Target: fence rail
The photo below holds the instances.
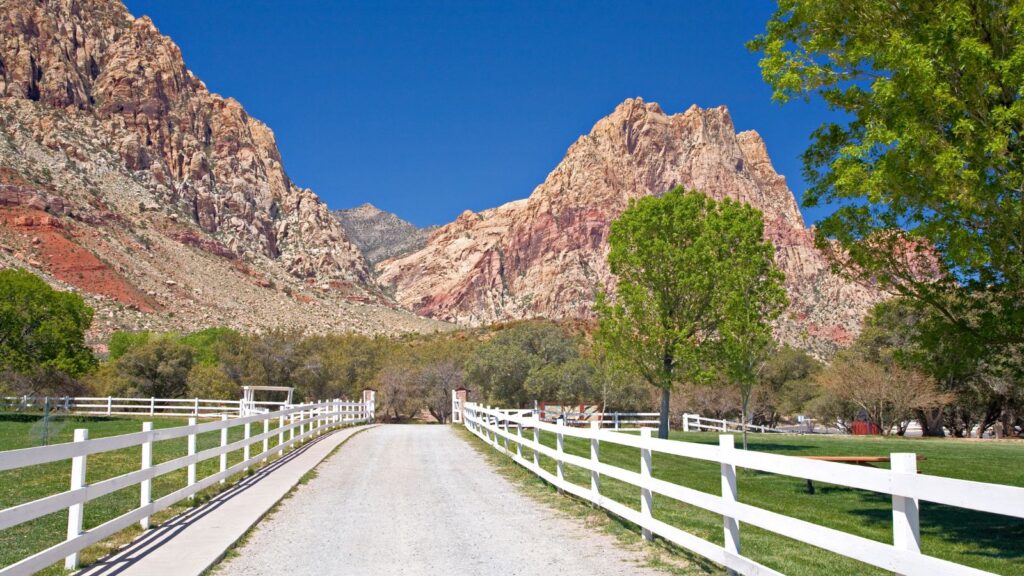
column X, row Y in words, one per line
column 295, row 425
column 698, row 423
column 499, row 428
column 614, row 420
column 115, row 406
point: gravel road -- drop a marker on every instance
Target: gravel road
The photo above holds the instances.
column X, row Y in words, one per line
column 418, row 500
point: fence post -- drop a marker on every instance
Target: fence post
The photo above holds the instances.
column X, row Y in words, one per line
column 560, row 447
column 110, row 405
column 266, row 436
column 726, row 444
column 906, row 530
column 505, row 428
column 223, row 443
column 76, row 511
column 646, row 496
column 686, row 422
column 536, row 441
column 192, row 452
column 616, row 420
column 245, row 451
column 291, row 424
column 519, row 433
column 152, row 406
column 280, row 436
column 146, row 486
column 595, row 459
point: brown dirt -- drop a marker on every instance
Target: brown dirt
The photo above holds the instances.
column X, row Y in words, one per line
column 49, row 243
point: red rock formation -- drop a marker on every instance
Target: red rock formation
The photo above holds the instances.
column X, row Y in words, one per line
column 53, row 246
column 545, row 256
column 199, row 152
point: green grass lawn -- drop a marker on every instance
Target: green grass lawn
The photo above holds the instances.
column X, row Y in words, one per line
column 985, row 541
column 26, row 484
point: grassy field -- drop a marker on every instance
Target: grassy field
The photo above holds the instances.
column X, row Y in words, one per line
column 27, row 484
column 985, row 541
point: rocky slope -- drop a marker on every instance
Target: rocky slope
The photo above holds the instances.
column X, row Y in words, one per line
column 545, row 256
column 122, row 176
column 381, row 235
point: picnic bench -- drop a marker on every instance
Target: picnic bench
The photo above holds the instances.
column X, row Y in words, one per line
column 869, row 461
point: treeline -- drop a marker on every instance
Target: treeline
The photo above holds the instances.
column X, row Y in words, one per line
column 887, row 377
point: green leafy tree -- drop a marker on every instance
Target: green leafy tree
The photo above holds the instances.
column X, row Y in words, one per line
column 684, row 263
column 209, row 381
column 204, row 343
column 42, row 328
column 571, row 382
column 502, row 365
column 927, row 161
column 786, row 383
column 120, row 342
column 752, row 297
column 158, row 368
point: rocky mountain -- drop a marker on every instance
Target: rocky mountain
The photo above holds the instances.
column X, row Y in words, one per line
column 381, row 235
column 545, row 256
column 123, row 177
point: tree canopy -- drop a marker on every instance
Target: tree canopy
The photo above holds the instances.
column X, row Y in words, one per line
column 692, row 274
column 42, row 328
column 925, row 161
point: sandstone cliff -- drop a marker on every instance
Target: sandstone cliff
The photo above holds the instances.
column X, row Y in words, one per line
column 176, row 192
column 545, row 256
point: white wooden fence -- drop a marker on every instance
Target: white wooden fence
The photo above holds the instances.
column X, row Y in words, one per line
column 114, row 406
column 294, row 425
column 504, row 430
column 698, row 423
column 614, row 420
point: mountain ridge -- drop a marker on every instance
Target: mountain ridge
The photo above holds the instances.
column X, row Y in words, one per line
column 545, row 255
column 166, row 205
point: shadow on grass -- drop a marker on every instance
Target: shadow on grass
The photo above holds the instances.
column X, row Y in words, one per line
column 991, row 535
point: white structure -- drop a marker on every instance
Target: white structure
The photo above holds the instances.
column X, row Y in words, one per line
column 292, row 426
column 902, row 483
column 249, row 406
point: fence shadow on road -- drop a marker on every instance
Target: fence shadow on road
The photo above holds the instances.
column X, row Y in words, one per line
column 154, row 538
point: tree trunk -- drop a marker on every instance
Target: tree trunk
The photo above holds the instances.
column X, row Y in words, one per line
column 744, row 416
column 663, row 421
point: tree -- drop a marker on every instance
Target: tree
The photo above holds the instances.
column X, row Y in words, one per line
column 928, row 163
column 753, row 296
column 683, row 264
column 570, row 383
column 888, row 395
column 209, row 381
column 786, row 384
column 42, row 328
column 502, row 365
column 120, row 342
column 158, row 368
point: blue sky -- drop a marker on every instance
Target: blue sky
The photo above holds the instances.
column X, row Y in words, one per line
column 426, row 111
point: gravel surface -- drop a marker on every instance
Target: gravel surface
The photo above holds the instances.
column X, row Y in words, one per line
column 412, row 500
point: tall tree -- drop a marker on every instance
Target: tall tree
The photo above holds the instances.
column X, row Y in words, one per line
column 42, row 328
column 927, row 163
column 753, row 296
column 683, row 264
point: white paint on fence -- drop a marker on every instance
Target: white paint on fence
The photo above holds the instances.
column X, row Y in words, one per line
column 903, row 483
column 316, row 419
